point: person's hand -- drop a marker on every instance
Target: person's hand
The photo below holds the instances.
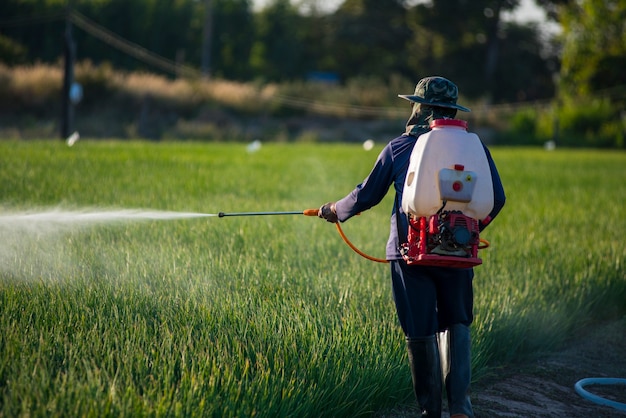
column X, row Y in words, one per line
column 328, row 212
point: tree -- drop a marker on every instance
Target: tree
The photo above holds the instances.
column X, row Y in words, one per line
column 463, row 40
column 594, row 48
column 233, row 36
column 167, row 31
column 277, row 51
column 22, row 23
column 370, row 38
column 524, row 71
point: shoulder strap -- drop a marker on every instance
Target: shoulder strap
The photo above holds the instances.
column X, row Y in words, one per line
column 402, row 239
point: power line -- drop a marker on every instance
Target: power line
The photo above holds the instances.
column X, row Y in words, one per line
column 172, row 67
column 144, row 55
column 131, row 48
column 339, row 109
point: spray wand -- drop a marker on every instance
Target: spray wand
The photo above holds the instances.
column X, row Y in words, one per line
column 306, row 212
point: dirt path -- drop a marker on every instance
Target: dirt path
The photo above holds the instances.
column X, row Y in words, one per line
column 545, row 388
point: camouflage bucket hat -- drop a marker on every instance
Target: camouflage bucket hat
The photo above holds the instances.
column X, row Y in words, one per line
column 436, row 91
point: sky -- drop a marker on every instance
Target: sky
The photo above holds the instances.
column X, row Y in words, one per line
column 527, row 12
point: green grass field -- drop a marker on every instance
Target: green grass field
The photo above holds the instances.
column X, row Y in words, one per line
column 268, row 316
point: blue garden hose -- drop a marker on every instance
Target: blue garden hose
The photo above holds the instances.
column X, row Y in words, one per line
column 595, row 398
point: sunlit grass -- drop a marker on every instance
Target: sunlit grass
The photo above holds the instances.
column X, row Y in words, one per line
column 269, row 316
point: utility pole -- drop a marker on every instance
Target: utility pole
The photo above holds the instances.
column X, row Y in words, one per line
column 69, row 49
column 207, row 34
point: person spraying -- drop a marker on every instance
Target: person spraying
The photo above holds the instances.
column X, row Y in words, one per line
column 432, row 291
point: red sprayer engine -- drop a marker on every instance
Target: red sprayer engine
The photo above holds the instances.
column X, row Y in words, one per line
column 447, row 190
column 448, row 239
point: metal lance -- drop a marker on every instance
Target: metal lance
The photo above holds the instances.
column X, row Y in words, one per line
column 307, row 212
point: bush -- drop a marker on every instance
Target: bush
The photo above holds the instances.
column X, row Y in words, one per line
column 124, row 105
column 526, row 124
column 11, row 52
column 525, row 127
column 590, row 123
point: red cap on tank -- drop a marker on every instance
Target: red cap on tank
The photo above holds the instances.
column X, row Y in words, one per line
column 439, row 123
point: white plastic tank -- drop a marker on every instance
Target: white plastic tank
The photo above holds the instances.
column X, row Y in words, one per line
column 448, row 164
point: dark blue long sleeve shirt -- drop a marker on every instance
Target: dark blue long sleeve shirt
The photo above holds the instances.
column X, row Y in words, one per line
column 390, row 169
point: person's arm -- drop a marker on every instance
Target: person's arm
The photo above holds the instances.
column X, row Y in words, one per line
column 499, row 197
column 370, row 192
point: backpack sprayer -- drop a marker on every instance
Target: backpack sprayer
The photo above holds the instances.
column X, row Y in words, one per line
column 448, row 194
column 447, row 191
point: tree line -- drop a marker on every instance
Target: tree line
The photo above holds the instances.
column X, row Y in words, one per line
column 470, row 42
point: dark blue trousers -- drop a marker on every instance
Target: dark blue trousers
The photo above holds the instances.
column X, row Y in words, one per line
column 431, row 299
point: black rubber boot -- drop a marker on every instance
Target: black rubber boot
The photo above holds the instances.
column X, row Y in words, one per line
column 426, row 374
column 458, row 371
